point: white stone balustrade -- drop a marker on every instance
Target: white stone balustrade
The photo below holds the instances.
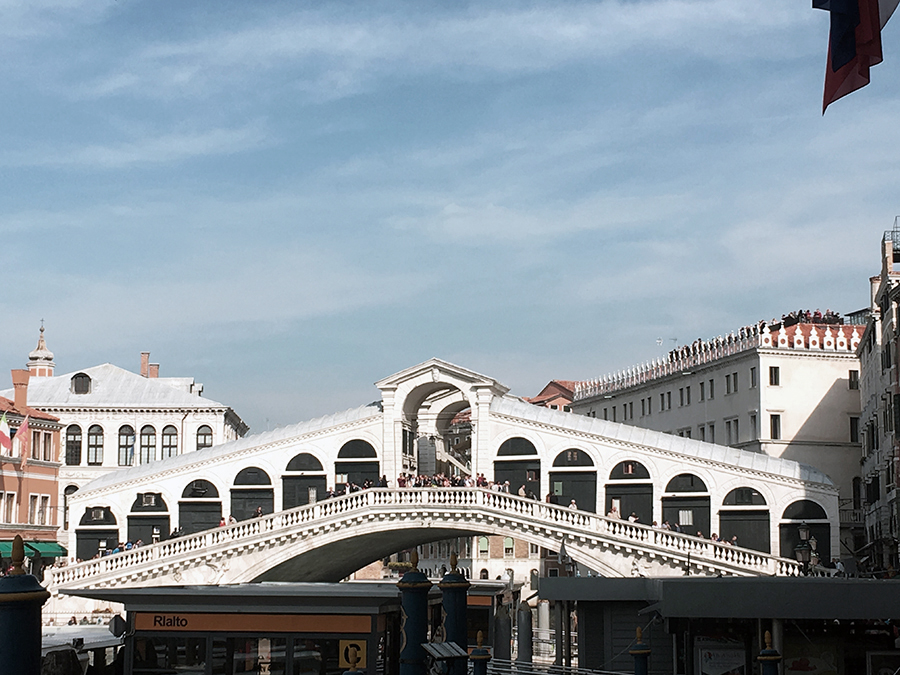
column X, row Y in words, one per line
column 247, row 550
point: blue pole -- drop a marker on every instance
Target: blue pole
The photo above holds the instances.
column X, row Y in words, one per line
column 769, row 658
column 454, row 588
column 641, row 654
column 414, row 587
column 21, row 598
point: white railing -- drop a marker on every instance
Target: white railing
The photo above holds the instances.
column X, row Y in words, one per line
column 436, row 503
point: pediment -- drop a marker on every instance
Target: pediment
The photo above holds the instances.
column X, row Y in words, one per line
column 437, row 371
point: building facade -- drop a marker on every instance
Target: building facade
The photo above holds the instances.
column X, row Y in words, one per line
column 113, row 418
column 789, row 390
column 878, row 353
column 29, row 474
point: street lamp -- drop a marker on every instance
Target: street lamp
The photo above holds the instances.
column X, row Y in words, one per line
column 804, row 549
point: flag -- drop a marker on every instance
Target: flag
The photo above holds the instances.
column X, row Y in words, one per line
column 854, row 43
column 5, row 440
column 22, row 433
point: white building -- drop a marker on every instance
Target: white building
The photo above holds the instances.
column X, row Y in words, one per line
column 113, row 418
column 786, row 391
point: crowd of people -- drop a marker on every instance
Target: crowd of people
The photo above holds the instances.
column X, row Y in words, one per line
column 805, row 316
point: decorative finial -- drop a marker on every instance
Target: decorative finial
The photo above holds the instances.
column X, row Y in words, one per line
column 352, row 658
column 768, row 640
column 480, row 639
column 18, row 555
column 639, row 634
column 414, row 559
column 453, row 560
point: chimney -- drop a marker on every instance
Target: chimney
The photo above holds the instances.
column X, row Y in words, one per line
column 154, row 370
column 145, row 364
column 20, row 384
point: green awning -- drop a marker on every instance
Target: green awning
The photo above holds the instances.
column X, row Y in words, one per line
column 47, row 549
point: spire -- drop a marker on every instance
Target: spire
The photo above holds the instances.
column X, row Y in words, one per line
column 40, row 361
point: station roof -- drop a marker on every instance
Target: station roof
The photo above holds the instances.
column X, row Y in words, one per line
column 825, row 598
column 255, row 598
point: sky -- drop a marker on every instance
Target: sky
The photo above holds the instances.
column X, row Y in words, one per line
column 290, row 201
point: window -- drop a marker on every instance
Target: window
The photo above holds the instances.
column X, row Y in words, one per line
column 662, row 401
column 702, row 431
column 9, row 507
column 567, row 408
column 534, row 550
column 73, row 445
column 754, row 434
column 148, row 445
column 687, row 391
column 36, row 444
column 148, row 499
column 606, row 413
column 95, row 445
column 685, row 517
column 649, row 406
column 854, row 430
column 753, row 378
column 728, row 388
column 643, row 407
column 508, row 547
column 712, row 389
column 774, row 376
column 732, row 433
column 48, row 447
column 81, row 384
column 854, row 379
column 169, row 442
column 32, row 509
column 204, row 437
column 628, row 468
column 681, row 397
column 483, row 547
column 631, row 410
column 734, row 383
column 712, row 433
column 44, row 510
column 554, row 406
column 668, row 400
column 775, row 427
column 614, row 413
column 703, row 391
column 126, row 446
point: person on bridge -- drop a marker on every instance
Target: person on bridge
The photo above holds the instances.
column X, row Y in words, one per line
column 573, row 505
column 522, row 491
column 259, row 512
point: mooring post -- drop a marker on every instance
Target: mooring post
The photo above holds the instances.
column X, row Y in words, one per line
column 21, row 599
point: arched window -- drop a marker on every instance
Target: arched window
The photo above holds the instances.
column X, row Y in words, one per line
column 95, row 445
column 69, row 491
column 744, row 496
column 356, row 449
column 573, row 457
column 509, row 547
column 629, row 470
column 252, row 476
column 483, row 547
column 686, row 482
column 804, row 509
column 73, row 445
column 483, row 574
column 81, row 384
column 516, row 446
column 204, row 437
column 126, row 446
column 200, row 489
column 304, row 462
column 169, row 442
column 148, row 445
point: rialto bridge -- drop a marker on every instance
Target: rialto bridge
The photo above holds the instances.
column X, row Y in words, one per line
column 600, row 464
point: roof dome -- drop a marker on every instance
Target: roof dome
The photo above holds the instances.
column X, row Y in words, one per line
column 41, row 353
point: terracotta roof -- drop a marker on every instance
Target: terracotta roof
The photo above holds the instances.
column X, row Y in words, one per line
column 7, row 406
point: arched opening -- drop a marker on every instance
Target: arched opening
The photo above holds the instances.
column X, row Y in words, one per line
column 307, row 487
column 204, row 437
column 744, row 514
column 97, row 533
column 126, row 445
column 255, row 494
column 148, row 445
column 629, row 491
column 687, row 503
column 169, row 442
column 578, row 481
column 360, row 467
column 483, row 574
column 95, row 445
column 68, row 492
column 518, row 472
column 200, row 507
column 149, row 518
column 811, row 513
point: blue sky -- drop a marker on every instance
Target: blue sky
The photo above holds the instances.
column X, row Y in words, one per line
column 290, row 201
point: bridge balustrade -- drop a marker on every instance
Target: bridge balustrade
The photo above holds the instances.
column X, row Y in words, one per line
column 570, row 523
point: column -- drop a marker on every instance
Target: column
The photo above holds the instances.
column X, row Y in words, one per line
column 414, row 587
column 21, row 598
column 454, row 595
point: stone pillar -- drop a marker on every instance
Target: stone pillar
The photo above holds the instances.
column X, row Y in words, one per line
column 414, row 587
column 525, row 634
column 21, row 598
column 502, row 633
column 454, row 588
column 769, row 658
column 543, row 623
column 641, row 654
column 480, row 657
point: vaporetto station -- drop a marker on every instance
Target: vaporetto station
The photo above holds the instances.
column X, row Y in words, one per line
column 600, row 464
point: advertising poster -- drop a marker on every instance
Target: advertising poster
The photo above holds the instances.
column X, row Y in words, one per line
column 720, row 657
column 813, row 658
